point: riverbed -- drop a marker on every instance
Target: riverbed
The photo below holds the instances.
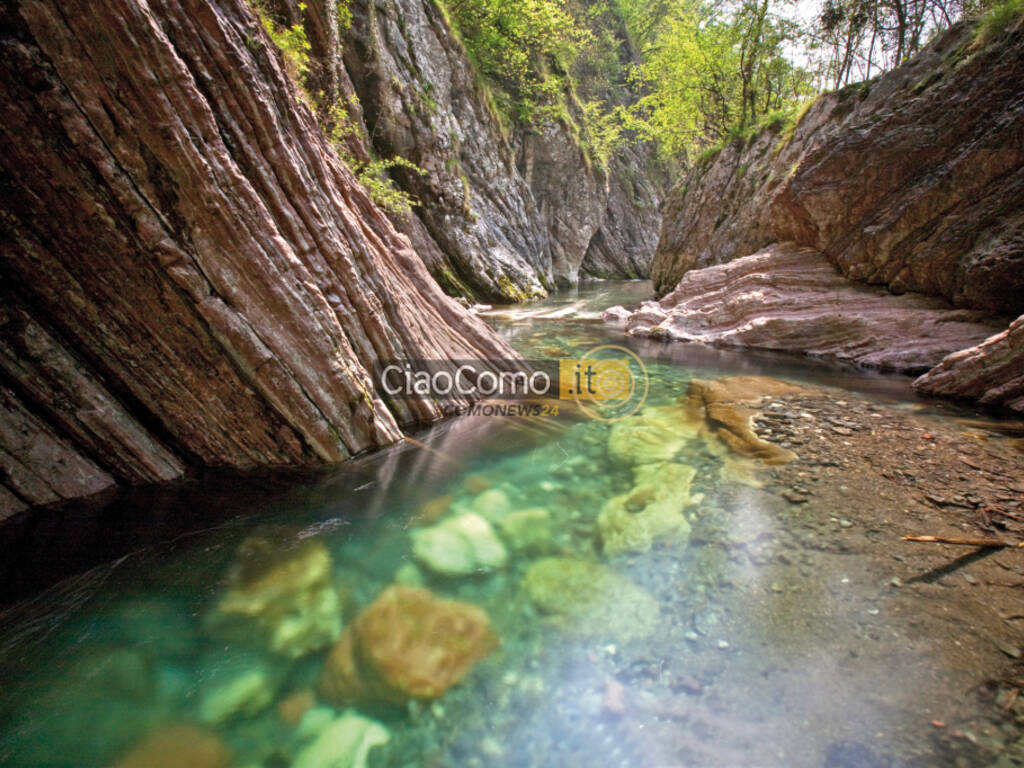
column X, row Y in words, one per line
column 776, row 619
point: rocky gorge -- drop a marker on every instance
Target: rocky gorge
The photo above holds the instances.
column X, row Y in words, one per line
column 906, row 183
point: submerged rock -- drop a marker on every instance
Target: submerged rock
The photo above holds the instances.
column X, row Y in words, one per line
column 526, row 528
column 729, row 406
column 176, row 746
column 653, row 509
column 407, row 644
column 283, row 598
column 344, row 743
column 235, row 684
column 654, row 435
column 590, row 599
column 459, row 546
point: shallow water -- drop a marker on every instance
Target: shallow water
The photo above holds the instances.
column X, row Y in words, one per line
column 758, row 653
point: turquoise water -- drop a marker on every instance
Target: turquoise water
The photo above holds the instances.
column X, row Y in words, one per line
column 689, row 653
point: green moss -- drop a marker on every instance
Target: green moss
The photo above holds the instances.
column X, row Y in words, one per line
column 999, row 19
column 451, row 284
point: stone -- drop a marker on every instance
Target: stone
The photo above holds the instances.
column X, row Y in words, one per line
column 177, row 746
column 590, row 599
column 281, row 596
column 491, row 504
column 344, row 743
column 235, row 684
column 652, row 510
column 526, row 529
column 790, row 298
column 991, row 373
column 729, row 406
column 459, row 546
column 433, row 510
column 407, row 644
column 293, row 707
column 654, row 435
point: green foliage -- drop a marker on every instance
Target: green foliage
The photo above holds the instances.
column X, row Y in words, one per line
column 714, row 72
column 998, row 19
column 524, row 49
column 381, row 187
column 291, row 40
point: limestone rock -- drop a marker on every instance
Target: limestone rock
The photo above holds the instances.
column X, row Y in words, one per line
column 654, row 435
column 177, row 746
column 211, row 292
column 344, row 743
column 792, row 299
column 234, row 683
column 729, row 405
column 991, row 373
column 459, row 546
column 653, row 509
column 407, row 644
column 282, row 597
column 590, row 599
column 526, row 529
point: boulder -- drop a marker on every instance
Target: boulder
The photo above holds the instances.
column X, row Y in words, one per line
column 459, row 546
column 526, row 529
column 177, row 746
column 407, row 644
column 344, row 743
column 653, row 436
column 653, row 509
column 279, row 596
column 235, row 684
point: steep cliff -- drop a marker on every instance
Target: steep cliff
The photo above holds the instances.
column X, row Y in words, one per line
column 914, row 181
column 504, row 213
column 189, row 274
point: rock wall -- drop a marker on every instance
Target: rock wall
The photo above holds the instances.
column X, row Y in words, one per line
column 503, row 215
column 190, row 276
column 914, row 181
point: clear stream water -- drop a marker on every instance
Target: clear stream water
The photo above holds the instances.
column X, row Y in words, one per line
column 735, row 671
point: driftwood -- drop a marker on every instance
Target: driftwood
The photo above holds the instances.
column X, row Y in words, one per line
column 991, row 543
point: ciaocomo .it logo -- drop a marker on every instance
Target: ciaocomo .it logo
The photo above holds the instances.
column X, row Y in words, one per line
column 608, row 382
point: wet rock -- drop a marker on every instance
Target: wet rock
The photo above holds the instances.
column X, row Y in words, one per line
column 175, row 746
column 345, row 743
column 281, row 597
column 235, row 683
column 654, row 435
column 652, row 510
column 729, row 405
column 407, row 644
column 459, row 546
column 590, row 599
column 293, row 707
column 526, row 529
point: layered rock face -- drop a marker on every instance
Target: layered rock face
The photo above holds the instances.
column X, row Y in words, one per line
column 791, row 299
column 503, row 216
column 190, row 276
column 914, row 181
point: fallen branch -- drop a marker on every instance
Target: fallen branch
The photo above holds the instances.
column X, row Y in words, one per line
column 992, row 543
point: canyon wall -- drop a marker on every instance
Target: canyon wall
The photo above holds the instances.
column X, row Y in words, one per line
column 504, row 213
column 913, row 182
column 190, row 276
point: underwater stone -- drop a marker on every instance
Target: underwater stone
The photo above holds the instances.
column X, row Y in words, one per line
column 491, row 504
column 526, row 528
column 591, row 599
column 174, row 746
column 459, row 546
column 344, row 743
column 655, row 435
column 408, row 643
column 235, row 683
column 284, row 599
column 653, row 509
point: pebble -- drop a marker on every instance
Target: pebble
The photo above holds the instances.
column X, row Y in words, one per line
column 723, row 644
column 692, row 636
column 845, row 524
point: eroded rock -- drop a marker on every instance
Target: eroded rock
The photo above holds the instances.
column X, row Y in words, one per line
column 459, row 546
column 651, row 510
column 407, row 644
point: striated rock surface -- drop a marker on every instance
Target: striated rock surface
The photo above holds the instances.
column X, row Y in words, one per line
column 914, row 181
column 190, row 276
column 792, row 299
column 991, row 373
column 407, row 644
